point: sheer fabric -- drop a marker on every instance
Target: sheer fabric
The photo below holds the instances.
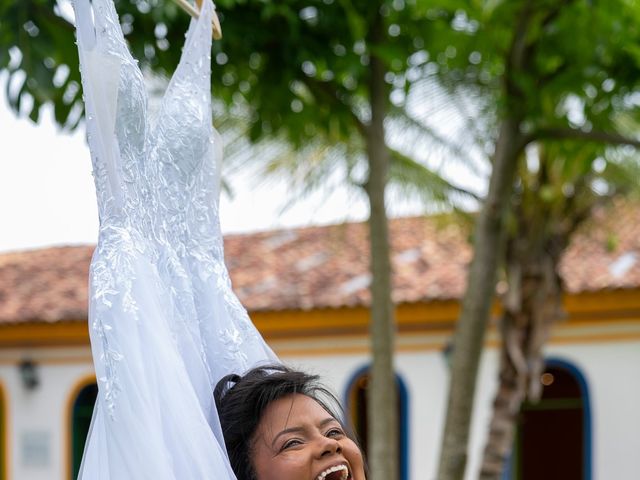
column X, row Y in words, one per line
column 164, row 323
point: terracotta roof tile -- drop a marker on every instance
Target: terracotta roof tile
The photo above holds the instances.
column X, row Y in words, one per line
column 45, row 285
column 606, row 252
column 328, row 267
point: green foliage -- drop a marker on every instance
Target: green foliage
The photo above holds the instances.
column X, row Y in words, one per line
column 580, row 73
column 37, row 49
column 582, row 60
column 294, row 70
column 300, row 67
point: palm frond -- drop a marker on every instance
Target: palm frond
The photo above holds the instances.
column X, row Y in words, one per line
column 415, row 179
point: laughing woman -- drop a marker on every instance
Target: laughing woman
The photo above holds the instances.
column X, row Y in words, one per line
column 280, row 424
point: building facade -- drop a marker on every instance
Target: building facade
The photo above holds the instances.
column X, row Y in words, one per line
column 307, row 293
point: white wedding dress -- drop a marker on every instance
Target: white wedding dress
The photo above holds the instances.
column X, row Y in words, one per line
column 164, row 323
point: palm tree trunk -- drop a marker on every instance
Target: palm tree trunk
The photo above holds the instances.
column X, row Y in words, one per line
column 532, row 305
column 506, row 407
column 469, row 337
column 488, row 245
column 382, row 411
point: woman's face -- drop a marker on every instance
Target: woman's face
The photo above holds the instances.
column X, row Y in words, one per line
column 297, row 439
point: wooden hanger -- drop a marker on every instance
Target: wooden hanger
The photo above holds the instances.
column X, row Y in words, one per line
column 191, row 10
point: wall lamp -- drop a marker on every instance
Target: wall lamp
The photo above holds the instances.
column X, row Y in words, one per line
column 29, row 374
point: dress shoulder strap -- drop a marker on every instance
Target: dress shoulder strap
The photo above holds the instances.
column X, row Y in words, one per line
column 85, row 24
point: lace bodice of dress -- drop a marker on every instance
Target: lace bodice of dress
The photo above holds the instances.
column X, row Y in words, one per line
column 148, row 168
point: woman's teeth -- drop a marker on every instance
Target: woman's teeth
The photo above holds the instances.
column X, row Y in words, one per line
column 338, row 472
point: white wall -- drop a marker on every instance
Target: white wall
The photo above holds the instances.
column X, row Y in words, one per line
column 37, row 418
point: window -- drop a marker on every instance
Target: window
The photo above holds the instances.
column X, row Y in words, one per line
column 356, row 401
column 82, row 411
column 553, row 436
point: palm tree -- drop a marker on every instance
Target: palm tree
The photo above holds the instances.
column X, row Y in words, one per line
column 543, row 71
column 557, row 190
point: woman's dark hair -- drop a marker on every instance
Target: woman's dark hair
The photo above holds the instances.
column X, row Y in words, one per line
column 241, row 401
